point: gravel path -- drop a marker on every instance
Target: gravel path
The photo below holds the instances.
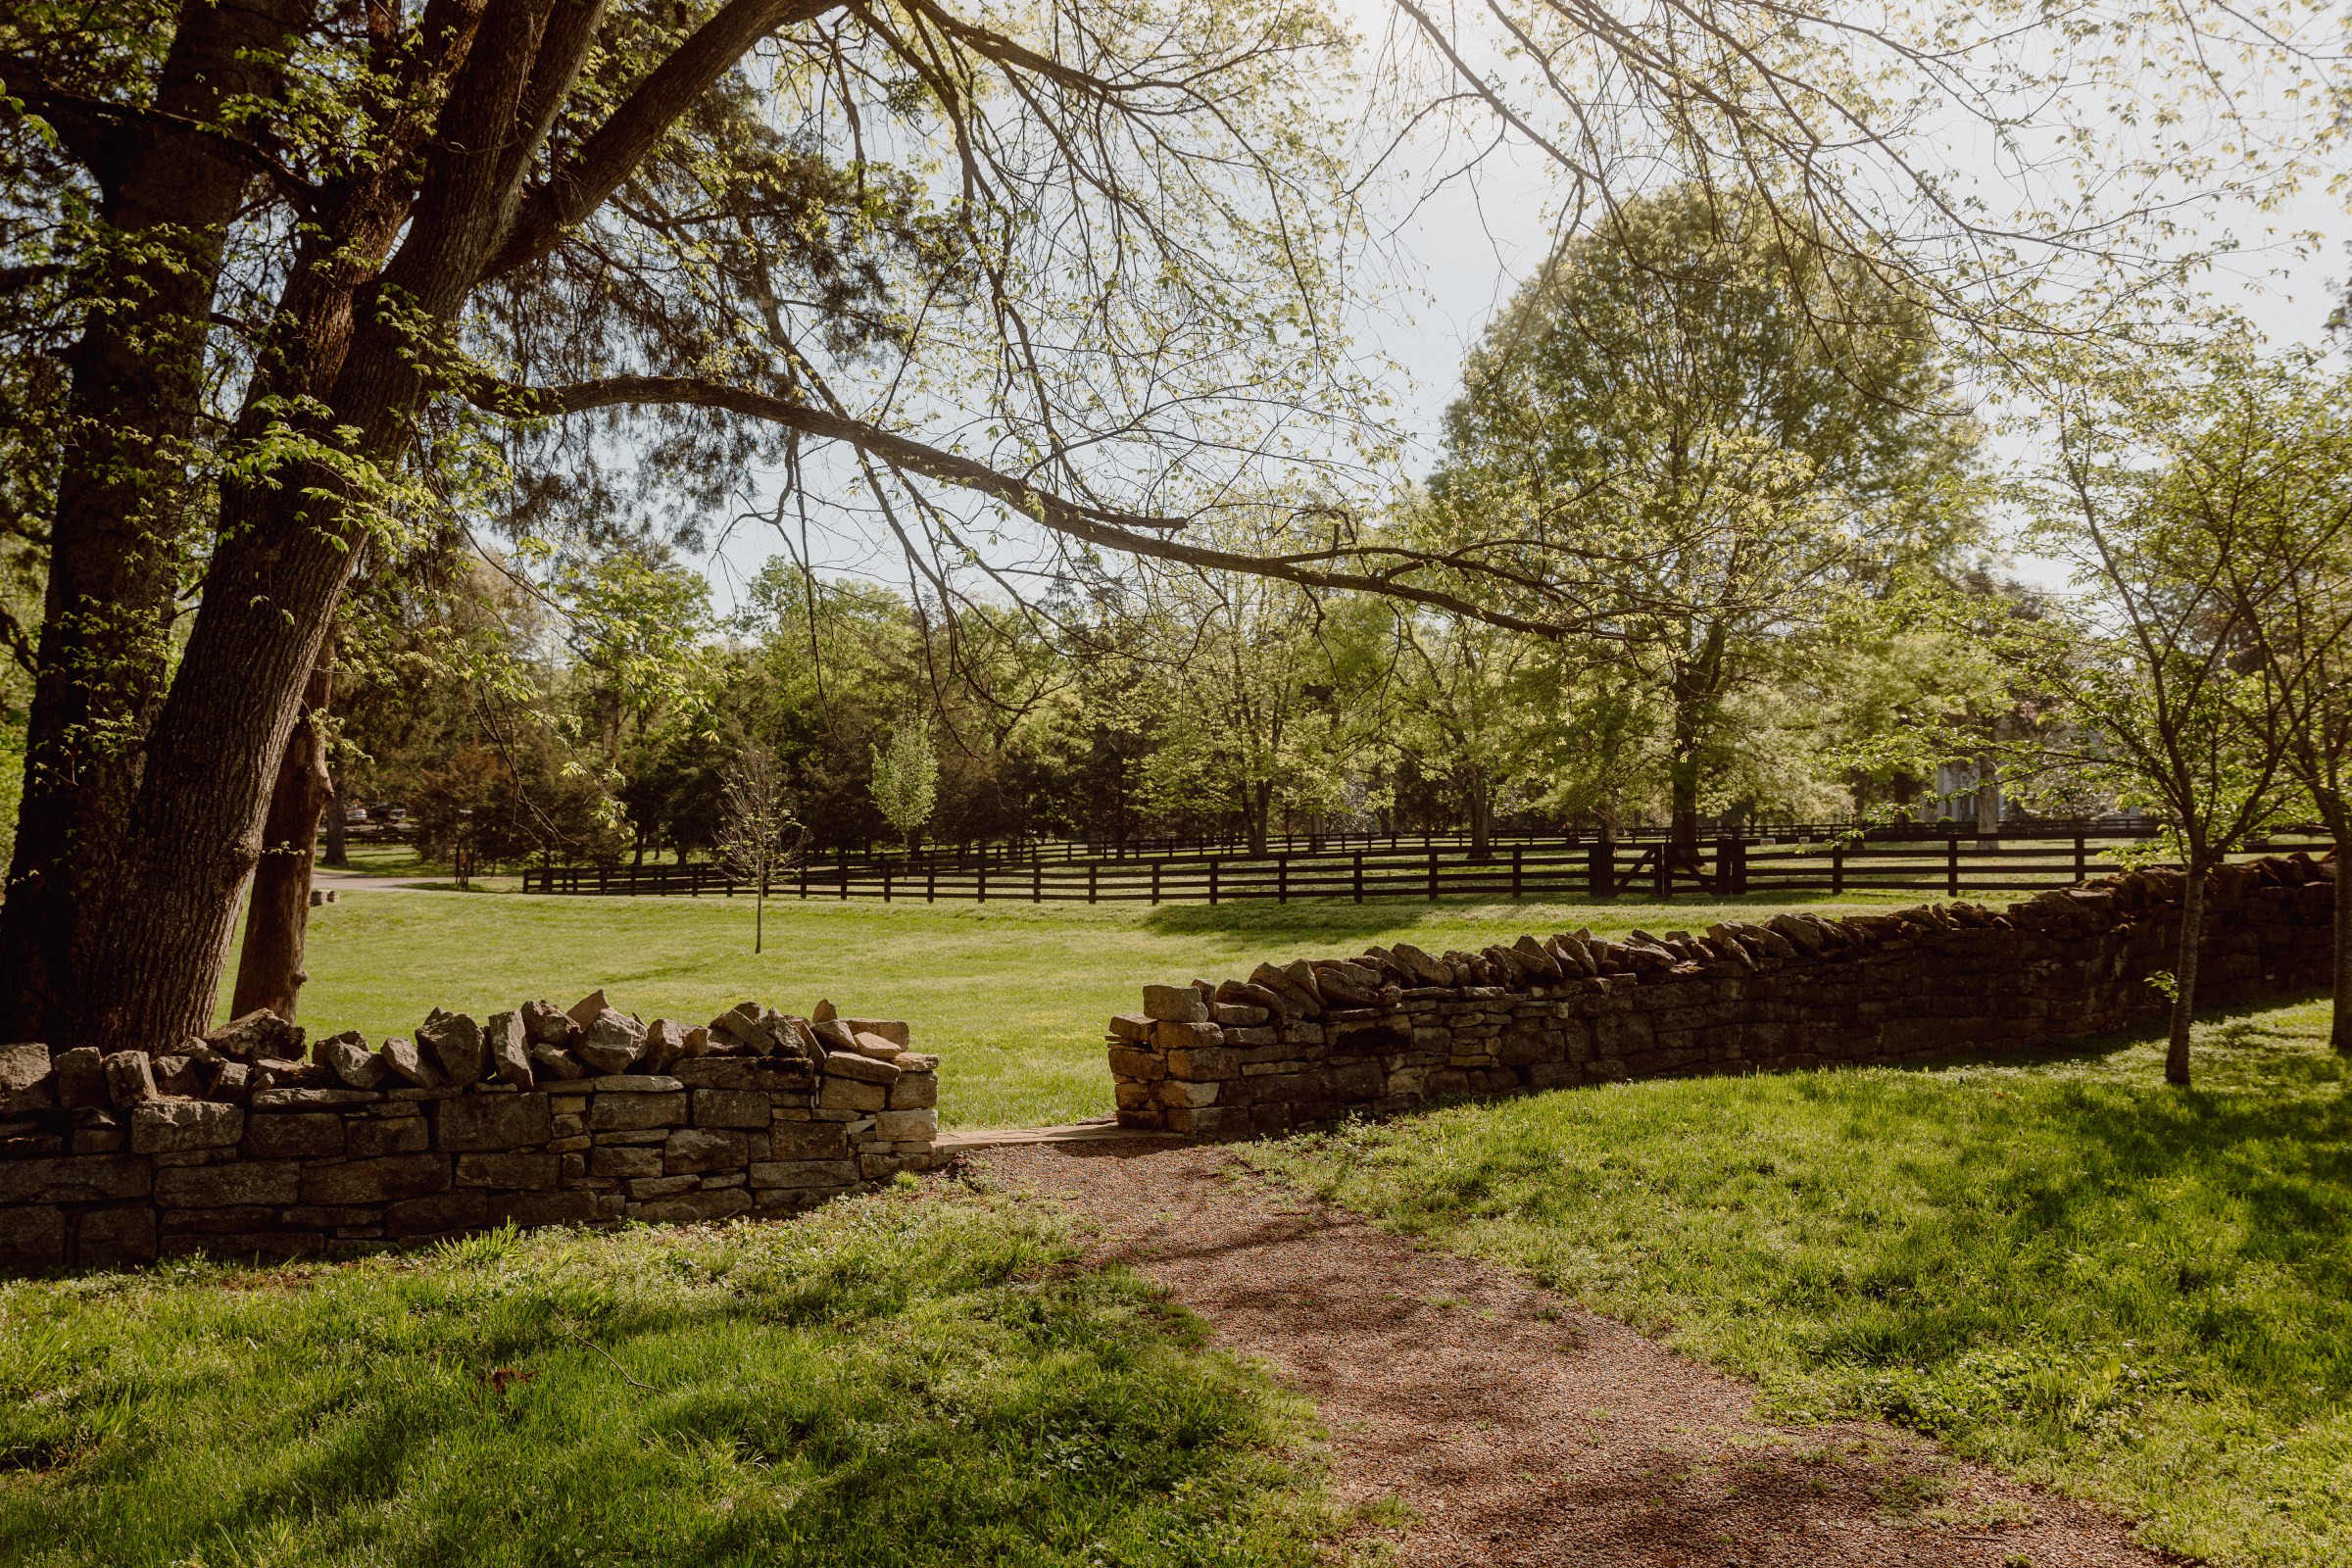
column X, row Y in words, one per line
column 1516, row 1427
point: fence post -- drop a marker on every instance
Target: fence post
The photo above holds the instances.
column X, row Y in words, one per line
column 1952, row 864
column 804, row 878
column 931, row 884
column 885, row 881
column 1516, row 851
column 1730, row 873
column 845, row 876
column 1091, row 869
column 1282, row 879
column 1359, row 876
column 1212, row 879
column 1432, row 870
column 1154, row 881
column 1661, row 874
column 1601, row 868
column 2082, row 864
column 982, row 883
column 1037, row 881
column 1838, row 867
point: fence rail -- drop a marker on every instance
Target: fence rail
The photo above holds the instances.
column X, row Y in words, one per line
column 1945, row 867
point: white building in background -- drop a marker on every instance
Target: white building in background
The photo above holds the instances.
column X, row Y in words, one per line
column 1954, row 796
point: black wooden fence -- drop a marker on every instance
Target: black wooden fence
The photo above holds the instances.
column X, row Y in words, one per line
column 1943, row 867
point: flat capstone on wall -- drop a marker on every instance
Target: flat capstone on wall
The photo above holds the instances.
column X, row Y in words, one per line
column 1309, row 1043
column 244, row 1144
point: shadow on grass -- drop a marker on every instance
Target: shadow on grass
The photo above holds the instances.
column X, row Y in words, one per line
column 1336, row 918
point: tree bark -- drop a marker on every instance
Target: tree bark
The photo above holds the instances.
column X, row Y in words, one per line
column 1989, row 798
column 2184, row 976
column 287, row 551
column 1482, row 816
column 338, row 852
column 1258, row 804
column 120, row 533
column 277, row 909
column 2339, row 1028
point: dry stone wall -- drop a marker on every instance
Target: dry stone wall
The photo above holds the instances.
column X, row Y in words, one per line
column 238, row 1145
column 1308, row 1043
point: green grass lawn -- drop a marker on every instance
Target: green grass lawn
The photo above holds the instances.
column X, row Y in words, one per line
column 896, row 1380
column 2137, row 1295
column 1014, row 997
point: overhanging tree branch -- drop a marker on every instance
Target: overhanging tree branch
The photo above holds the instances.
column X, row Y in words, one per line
column 1129, row 532
column 610, row 155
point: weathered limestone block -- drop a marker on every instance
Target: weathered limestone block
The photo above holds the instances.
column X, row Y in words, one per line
column 698, row 1150
column 849, row 1094
column 1175, row 1004
column 631, row 1112
column 611, row 1042
column 731, row 1107
column 860, row 1068
column 455, row 1046
column 519, row 1168
column 174, row 1126
column 376, row 1181
column 371, row 1137
column 247, row 1181
column 808, row 1141
column 351, row 1060
column 625, row 1161
column 907, row 1126
column 480, row 1122
column 914, row 1090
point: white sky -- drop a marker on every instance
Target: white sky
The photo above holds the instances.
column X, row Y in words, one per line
column 1465, row 248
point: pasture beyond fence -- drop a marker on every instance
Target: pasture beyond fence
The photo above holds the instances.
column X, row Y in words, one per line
column 1725, row 867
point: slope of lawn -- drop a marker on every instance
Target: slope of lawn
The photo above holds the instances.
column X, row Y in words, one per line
column 1014, row 998
column 901, row 1380
column 2138, row 1295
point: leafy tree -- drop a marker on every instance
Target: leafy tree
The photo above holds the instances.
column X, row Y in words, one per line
column 1733, row 434
column 2148, row 496
column 2274, row 485
column 905, row 778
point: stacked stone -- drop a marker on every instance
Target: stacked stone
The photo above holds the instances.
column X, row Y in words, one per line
column 238, row 1145
column 1309, row 1043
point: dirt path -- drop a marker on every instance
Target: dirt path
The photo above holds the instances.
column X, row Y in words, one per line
column 1516, row 1427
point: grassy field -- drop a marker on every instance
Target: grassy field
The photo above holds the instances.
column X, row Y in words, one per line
column 893, row 1381
column 2059, row 1265
column 1016, row 998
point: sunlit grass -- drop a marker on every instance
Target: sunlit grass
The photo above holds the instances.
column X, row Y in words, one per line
column 2059, row 1265
column 899, row 1380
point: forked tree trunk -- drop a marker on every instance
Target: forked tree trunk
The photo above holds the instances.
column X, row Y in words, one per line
column 2184, row 976
column 287, row 543
column 277, row 909
column 119, row 533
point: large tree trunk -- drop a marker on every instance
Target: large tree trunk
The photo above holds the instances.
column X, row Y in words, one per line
column 1683, row 835
column 1989, row 797
column 288, row 542
column 1258, row 804
column 338, row 851
column 2184, row 976
column 277, row 909
column 1482, row 814
column 2339, row 1029
column 120, row 533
